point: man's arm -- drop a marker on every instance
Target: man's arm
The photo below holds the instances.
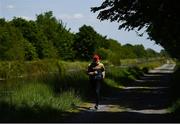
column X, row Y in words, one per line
column 89, row 72
column 103, row 71
column 101, row 68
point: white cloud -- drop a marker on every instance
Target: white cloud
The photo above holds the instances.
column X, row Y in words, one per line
column 78, row 16
column 71, row 16
column 26, row 18
column 10, row 6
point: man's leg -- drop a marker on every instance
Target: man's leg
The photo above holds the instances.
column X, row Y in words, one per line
column 93, row 89
column 97, row 91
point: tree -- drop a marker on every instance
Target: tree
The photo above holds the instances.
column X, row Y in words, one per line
column 139, row 51
column 57, row 34
column 103, row 53
column 151, row 53
column 87, row 41
column 11, row 42
column 128, row 51
column 116, row 48
column 164, row 53
column 30, row 51
column 33, row 34
column 159, row 18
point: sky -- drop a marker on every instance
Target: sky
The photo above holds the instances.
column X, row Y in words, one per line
column 74, row 14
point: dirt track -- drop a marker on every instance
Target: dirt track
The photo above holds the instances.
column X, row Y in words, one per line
column 145, row 100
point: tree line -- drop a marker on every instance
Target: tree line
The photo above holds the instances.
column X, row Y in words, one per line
column 48, row 37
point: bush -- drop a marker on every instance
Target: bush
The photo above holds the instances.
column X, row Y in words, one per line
column 114, row 59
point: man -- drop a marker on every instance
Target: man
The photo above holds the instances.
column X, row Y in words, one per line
column 96, row 72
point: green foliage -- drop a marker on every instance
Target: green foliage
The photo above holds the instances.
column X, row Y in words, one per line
column 57, row 34
column 151, row 53
column 30, row 51
column 164, row 53
column 128, row 51
column 87, row 41
column 104, row 53
column 175, row 108
column 117, row 74
column 11, row 43
column 35, row 36
column 114, row 58
column 36, row 101
column 160, row 19
column 150, row 64
column 141, row 52
column 135, row 72
column 38, row 94
column 47, row 37
column 51, row 87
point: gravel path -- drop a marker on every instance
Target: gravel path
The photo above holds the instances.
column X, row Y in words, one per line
column 145, row 100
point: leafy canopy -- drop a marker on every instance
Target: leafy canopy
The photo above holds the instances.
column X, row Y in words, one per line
column 159, row 18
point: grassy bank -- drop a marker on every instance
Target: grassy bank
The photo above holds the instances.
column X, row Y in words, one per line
column 45, row 90
column 40, row 90
column 36, row 102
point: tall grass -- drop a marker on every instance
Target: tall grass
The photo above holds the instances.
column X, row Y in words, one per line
column 44, row 87
column 36, row 101
column 123, row 75
column 149, row 63
column 39, row 94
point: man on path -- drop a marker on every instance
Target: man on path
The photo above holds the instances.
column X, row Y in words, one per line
column 96, row 72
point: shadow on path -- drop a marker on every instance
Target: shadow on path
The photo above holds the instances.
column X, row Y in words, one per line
column 123, row 117
column 145, row 100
